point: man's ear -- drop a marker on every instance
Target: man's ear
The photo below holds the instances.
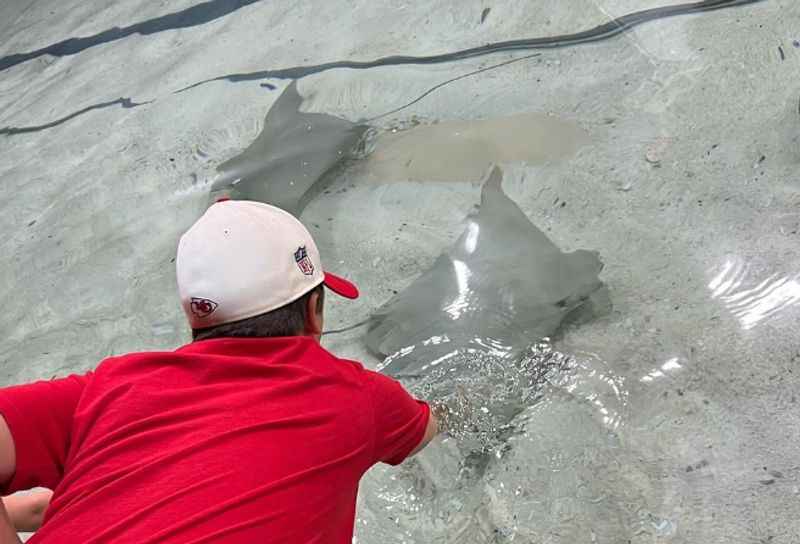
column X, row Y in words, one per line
column 313, row 324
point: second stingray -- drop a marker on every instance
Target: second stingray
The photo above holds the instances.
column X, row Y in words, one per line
column 291, row 155
column 502, row 287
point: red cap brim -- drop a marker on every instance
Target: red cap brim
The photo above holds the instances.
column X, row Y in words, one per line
column 340, row 286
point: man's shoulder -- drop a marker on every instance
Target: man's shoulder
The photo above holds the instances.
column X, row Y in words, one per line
column 137, row 356
column 133, row 362
column 352, row 367
column 344, row 364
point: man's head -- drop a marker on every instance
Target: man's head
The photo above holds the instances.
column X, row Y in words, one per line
column 303, row 317
column 247, row 269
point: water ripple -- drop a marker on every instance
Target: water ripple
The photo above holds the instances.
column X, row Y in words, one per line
column 750, row 299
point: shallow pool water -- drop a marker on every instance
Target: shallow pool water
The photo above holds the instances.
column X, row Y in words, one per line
column 670, row 149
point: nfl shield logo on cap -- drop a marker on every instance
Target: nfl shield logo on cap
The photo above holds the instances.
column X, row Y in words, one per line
column 303, row 262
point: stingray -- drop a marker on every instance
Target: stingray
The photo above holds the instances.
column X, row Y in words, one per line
column 285, row 164
column 500, row 288
column 469, row 335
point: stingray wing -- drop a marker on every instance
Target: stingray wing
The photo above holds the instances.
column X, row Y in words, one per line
column 292, row 153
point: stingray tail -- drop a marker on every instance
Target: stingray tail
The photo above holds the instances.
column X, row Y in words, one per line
column 492, row 181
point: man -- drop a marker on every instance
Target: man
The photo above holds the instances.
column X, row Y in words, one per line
column 252, row 433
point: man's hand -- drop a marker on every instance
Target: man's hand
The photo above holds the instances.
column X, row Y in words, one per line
column 8, row 534
column 26, row 510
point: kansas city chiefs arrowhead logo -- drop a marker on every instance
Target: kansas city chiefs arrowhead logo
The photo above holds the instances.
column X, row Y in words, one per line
column 202, row 307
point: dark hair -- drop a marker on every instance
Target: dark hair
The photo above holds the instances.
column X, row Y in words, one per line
column 287, row 320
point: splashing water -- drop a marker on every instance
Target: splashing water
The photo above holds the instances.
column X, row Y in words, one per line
column 481, row 393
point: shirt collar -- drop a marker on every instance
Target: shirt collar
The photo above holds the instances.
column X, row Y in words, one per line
column 250, row 347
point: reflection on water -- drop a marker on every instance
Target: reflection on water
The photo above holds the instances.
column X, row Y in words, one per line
column 596, row 384
column 672, row 364
column 750, row 299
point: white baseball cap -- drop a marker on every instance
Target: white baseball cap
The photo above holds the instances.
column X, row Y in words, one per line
column 243, row 259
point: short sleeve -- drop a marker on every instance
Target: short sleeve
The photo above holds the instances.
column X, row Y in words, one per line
column 400, row 420
column 39, row 416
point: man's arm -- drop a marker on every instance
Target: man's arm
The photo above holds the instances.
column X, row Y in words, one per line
column 8, row 534
column 35, row 430
column 431, row 431
column 8, row 460
column 403, row 424
column 35, row 427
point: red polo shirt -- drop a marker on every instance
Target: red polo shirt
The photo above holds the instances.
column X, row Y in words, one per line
column 227, row 440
